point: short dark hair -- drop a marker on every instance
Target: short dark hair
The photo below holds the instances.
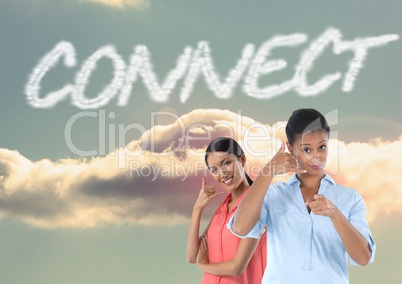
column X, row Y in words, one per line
column 305, row 120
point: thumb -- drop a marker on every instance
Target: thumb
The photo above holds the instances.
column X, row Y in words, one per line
column 203, row 182
column 282, row 148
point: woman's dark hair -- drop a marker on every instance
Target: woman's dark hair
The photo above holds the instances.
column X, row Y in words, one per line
column 305, row 120
column 227, row 145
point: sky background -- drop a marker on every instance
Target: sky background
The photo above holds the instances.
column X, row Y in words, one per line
column 65, row 218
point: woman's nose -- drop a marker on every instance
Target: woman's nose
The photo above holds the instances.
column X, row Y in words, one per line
column 224, row 171
column 316, row 157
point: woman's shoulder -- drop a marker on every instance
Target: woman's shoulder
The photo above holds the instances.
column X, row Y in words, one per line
column 278, row 186
column 345, row 193
column 278, row 190
column 281, row 186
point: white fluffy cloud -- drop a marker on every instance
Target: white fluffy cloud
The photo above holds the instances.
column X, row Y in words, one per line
column 155, row 180
column 374, row 169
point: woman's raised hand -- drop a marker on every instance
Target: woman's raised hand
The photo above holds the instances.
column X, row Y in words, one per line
column 207, row 193
column 283, row 163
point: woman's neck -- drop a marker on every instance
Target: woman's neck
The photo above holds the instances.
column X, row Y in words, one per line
column 243, row 186
column 309, row 182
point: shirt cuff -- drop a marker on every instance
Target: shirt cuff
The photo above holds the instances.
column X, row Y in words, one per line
column 254, row 233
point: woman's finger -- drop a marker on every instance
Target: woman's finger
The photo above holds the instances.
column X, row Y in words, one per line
column 204, row 243
column 281, row 149
column 296, row 170
column 201, row 247
column 211, row 188
column 319, row 196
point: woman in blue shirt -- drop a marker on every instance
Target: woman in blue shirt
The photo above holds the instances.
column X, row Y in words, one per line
column 313, row 223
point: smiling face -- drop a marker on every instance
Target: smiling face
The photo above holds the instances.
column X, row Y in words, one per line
column 227, row 169
column 311, row 150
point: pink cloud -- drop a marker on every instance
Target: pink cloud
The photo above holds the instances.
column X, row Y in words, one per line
column 139, row 4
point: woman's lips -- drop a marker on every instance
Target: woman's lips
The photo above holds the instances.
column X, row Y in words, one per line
column 315, row 167
column 228, row 181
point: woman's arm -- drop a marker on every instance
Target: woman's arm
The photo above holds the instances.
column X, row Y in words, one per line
column 355, row 244
column 249, row 209
column 207, row 193
column 193, row 240
column 233, row 267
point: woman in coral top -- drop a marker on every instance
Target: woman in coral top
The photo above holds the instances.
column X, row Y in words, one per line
column 222, row 256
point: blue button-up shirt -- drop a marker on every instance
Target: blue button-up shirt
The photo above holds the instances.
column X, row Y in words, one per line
column 304, row 247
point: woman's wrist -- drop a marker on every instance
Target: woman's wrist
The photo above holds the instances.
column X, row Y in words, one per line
column 336, row 214
column 198, row 208
column 202, row 265
column 266, row 170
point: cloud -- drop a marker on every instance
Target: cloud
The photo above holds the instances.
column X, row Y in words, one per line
column 374, row 170
column 139, row 4
column 155, row 180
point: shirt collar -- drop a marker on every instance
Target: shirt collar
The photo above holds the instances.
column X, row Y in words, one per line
column 293, row 179
column 224, row 205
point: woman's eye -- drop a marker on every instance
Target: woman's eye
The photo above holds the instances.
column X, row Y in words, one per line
column 322, row 147
column 213, row 170
column 306, row 150
column 227, row 163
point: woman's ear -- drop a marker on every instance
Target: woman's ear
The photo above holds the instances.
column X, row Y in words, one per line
column 243, row 160
column 289, row 147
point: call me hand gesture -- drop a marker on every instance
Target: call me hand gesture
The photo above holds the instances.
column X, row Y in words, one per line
column 207, row 193
column 281, row 163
